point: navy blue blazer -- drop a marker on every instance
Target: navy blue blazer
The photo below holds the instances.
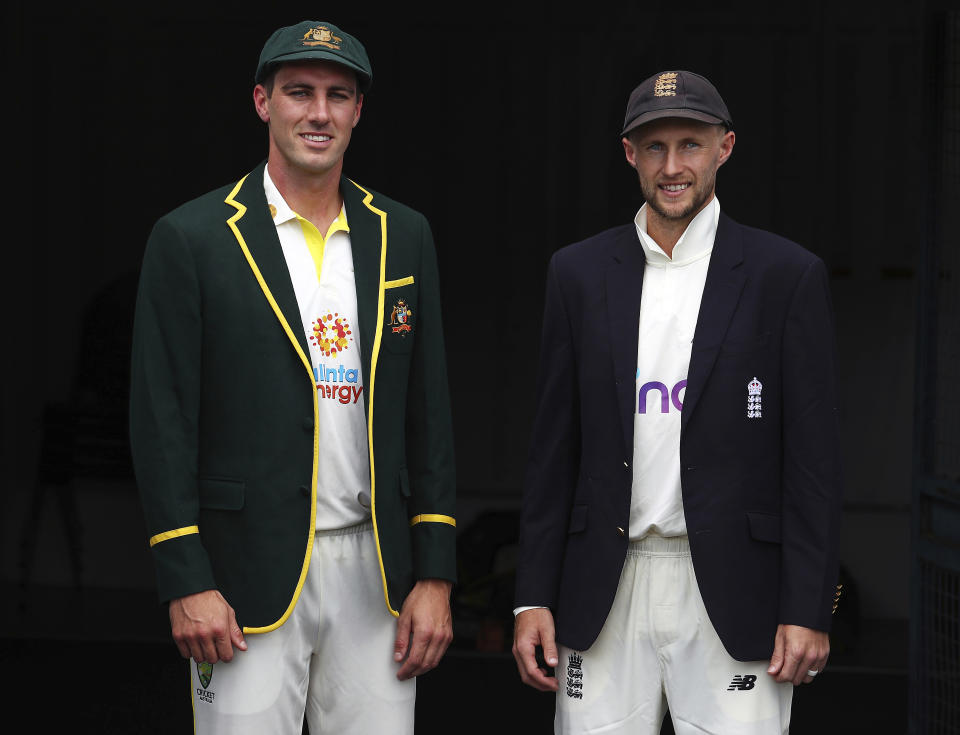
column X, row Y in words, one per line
column 761, row 496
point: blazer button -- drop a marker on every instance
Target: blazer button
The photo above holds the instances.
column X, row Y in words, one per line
column 305, row 491
column 621, row 531
column 308, row 424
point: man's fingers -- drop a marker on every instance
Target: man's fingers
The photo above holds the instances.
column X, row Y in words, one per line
column 223, row 642
column 439, row 642
column 403, row 638
column 532, row 628
column 412, row 666
column 530, row 672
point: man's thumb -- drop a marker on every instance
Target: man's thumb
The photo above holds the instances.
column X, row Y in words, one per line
column 550, row 652
column 236, row 634
column 776, row 660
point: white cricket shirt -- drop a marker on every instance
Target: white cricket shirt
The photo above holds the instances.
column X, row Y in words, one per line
column 669, row 305
column 321, row 269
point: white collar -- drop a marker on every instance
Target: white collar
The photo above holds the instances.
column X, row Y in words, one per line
column 695, row 242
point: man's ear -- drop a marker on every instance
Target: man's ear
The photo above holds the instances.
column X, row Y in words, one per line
column 356, row 112
column 260, row 103
column 726, row 146
column 629, row 151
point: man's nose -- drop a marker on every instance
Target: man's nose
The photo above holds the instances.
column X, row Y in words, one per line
column 318, row 111
column 672, row 163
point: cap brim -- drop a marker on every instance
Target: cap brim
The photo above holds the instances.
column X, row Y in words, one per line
column 674, row 112
column 316, row 55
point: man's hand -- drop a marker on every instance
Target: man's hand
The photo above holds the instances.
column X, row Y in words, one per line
column 205, row 627
column 534, row 628
column 797, row 650
column 424, row 629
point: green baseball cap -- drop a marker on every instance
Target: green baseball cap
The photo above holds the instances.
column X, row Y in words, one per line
column 313, row 39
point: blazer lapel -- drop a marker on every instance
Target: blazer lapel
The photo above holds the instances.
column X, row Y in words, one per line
column 721, row 292
column 368, row 240
column 257, row 236
column 624, row 282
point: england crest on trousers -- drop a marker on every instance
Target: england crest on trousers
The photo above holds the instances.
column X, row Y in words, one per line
column 754, row 399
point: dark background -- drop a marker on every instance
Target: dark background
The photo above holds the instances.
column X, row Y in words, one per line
column 500, row 123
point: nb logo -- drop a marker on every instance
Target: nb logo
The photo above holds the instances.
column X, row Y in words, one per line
column 743, row 683
column 667, row 396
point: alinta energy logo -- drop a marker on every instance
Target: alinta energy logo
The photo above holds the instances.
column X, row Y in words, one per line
column 331, row 335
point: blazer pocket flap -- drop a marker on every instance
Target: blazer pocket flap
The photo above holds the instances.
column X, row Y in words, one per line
column 218, row 493
column 398, row 282
column 578, row 518
column 765, row 527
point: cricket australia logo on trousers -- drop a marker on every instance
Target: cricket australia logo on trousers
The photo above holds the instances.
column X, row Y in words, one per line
column 575, row 676
column 205, row 674
column 743, row 683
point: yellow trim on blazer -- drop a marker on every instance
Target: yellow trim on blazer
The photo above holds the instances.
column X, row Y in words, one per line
column 374, row 354
column 241, row 210
column 433, row 518
column 399, row 282
column 176, row 533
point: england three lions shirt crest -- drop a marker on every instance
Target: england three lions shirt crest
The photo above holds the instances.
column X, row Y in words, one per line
column 321, row 269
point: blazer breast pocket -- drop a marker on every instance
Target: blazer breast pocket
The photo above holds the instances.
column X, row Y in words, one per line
column 399, row 314
column 747, row 346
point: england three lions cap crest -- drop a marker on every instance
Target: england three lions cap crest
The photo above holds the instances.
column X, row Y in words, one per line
column 310, row 40
column 675, row 94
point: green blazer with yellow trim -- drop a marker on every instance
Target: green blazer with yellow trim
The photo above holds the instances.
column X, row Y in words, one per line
column 223, row 403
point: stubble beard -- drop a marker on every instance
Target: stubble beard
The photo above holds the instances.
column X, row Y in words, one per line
column 700, row 196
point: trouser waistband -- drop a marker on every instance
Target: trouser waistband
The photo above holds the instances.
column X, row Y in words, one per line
column 361, row 527
column 654, row 545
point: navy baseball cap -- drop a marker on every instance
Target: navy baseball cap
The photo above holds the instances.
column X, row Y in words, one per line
column 675, row 94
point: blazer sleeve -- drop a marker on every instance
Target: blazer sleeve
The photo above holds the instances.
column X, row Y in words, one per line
column 164, row 410
column 553, row 462
column 811, row 480
column 429, row 430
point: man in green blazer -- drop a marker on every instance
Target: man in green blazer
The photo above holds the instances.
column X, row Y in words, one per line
column 290, row 422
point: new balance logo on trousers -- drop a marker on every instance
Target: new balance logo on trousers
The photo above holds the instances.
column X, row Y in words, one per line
column 743, row 683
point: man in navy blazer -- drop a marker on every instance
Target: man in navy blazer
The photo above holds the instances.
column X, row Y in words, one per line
column 679, row 534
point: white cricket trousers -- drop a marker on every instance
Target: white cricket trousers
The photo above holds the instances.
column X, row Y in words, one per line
column 659, row 649
column 332, row 660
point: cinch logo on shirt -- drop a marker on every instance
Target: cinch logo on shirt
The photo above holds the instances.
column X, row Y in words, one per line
column 667, row 396
column 331, row 334
column 325, row 375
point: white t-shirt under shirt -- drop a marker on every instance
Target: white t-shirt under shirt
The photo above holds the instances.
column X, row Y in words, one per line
column 327, row 296
column 669, row 305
